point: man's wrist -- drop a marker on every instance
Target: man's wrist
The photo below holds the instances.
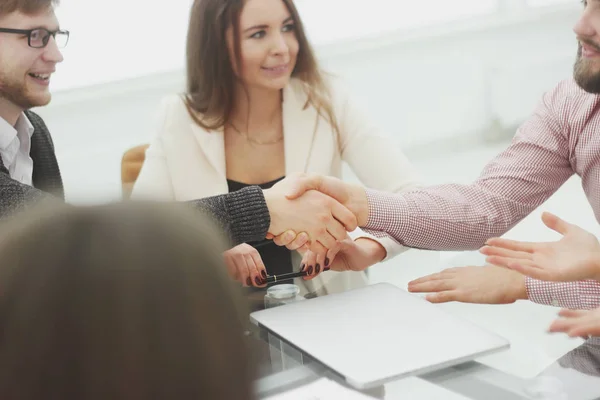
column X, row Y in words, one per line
column 597, row 267
column 375, row 249
column 522, row 289
column 360, row 205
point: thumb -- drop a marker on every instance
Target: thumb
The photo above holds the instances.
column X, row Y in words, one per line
column 555, row 223
column 303, row 185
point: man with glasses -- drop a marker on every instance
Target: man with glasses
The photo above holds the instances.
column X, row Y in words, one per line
column 29, row 41
column 30, row 38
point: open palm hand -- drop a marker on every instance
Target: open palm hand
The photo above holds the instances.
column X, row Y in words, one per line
column 576, row 256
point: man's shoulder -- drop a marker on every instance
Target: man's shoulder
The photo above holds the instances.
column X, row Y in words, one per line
column 568, row 92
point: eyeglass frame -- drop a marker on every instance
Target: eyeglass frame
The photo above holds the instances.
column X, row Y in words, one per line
column 28, row 32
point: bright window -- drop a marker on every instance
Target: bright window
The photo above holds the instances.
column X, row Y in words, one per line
column 119, row 39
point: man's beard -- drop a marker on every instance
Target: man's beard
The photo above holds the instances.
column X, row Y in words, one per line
column 16, row 92
column 584, row 75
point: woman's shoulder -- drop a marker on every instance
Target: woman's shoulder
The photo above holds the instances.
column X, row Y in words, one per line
column 173, row 114
column 173, row 104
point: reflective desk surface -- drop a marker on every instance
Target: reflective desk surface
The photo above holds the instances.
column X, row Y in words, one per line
column 575, row 376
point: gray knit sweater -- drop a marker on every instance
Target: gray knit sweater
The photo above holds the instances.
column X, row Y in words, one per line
column 243, row 215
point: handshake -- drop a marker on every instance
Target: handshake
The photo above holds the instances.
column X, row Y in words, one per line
column 312, row 214
column 314, row 211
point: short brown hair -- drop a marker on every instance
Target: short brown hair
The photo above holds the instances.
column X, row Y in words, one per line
column 125, row 301
column 210, row 76
column 28, row 7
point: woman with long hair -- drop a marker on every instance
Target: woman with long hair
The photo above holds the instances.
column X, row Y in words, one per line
column 257, row 107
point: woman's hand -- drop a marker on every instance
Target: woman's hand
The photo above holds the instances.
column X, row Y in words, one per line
column 347, row 255
column 245, row 265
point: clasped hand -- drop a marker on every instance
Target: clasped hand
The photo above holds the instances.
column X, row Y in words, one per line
column 325, row 209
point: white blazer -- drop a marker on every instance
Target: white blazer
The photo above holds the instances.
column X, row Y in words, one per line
column 186, row 162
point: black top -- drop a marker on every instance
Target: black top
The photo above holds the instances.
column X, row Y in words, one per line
column 277, row 260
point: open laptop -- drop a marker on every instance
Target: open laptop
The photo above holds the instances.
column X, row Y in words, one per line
column 377, row 334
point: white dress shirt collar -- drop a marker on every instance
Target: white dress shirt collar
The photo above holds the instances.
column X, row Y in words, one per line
column 15, row 145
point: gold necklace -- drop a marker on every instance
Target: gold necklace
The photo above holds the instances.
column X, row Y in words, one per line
column 248, row 138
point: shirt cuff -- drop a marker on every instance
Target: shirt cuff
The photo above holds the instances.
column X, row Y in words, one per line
column 382, row 210
column 391, row 246
column 582, row 295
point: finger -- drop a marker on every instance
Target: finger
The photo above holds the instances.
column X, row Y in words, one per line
column 444, row 297
column 255, row 278
column 503, row 252
column 525, row 267
column 499, row 261
column 432, row 286
column 305, row 257
column 566, row 313
column 310, row 266
column 302, row 185
column 232, row 270
column 243, row 273
column 337, row 230
column 561, row 325
column 317, row 247
column 285, row 238
column 425, row 279
column 319, row 263
column 325, row 238
column 345, row 217
column 298, row 242
column 555, row 223
column 261, row 269
column 531, row 270
column 269, row 236
column 511, row 244
column 330, row 256
column 584, row 329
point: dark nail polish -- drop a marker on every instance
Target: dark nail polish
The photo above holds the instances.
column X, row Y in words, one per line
column 249, row 282
column 264, row 274
column 302, row 267
column 310, row 270
column 327, row 262
column 326, row 269
column 257, row 280
column 318, row 268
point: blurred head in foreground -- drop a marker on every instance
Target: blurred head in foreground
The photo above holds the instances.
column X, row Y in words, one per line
column 118, row 302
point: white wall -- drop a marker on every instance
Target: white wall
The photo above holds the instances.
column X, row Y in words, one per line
column 432, row 87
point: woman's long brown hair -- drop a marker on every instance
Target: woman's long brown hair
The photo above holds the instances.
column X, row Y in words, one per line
column 121, row 302
column 210, row 76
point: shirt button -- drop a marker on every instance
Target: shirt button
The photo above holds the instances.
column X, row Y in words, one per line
column 555, row 303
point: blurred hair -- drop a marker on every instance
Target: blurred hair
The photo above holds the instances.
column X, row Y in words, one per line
column 121, row 302
column 211, row 79
column 28, row 7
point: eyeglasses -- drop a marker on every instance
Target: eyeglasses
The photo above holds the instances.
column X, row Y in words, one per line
column 38, row 38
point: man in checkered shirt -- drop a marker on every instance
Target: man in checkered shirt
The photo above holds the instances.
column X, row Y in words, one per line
column 560, row 139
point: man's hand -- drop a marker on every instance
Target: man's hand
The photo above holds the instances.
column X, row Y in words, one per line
column 578, row 323
column 483, row 285
column 324, row 219
column 352, row 196
column 347, row 255
column 574, row 257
